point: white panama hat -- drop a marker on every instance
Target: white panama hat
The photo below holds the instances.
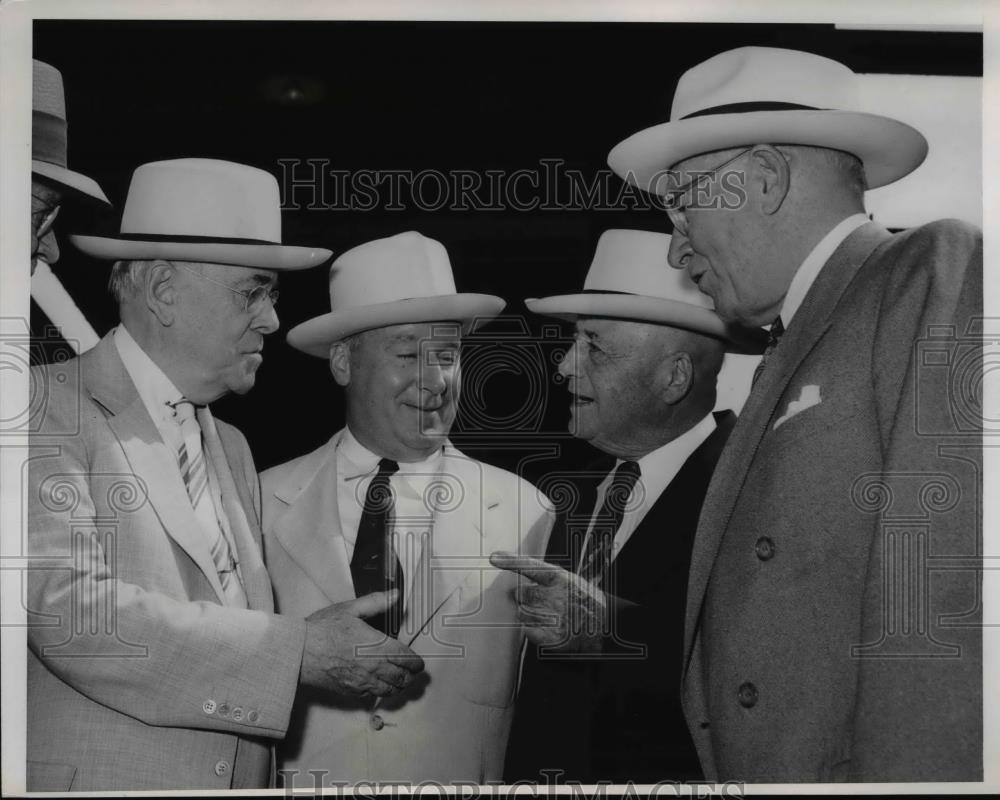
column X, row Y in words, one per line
column 767, row 95
column 393, row 281
column 203, row 209
column 630, row 279
column 48, row 133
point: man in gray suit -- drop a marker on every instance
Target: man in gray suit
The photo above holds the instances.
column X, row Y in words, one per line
column 833, row 615
column 154, row 658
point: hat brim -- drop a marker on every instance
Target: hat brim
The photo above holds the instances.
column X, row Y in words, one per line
column 889, row 149
column 315, row 336
column 78, row 183
column 656, row 310
column 265, row 256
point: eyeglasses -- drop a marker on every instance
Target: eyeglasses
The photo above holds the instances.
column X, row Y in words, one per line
column 42, row 219
column 676, row 210
column 253, row 299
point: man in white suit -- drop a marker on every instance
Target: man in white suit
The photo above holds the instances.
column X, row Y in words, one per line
column 154, row 659
column 392, row 340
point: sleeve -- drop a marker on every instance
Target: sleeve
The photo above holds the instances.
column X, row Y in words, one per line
column 919, row 698
column 151, row 656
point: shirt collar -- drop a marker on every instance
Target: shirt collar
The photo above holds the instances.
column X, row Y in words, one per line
column 806, row 274
column 357, row 461
column 668, row 458
column 152, row 384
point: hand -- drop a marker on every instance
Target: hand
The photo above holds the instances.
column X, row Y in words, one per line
column 558, row 608
column 344, row 654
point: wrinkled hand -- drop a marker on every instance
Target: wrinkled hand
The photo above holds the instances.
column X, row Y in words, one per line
column 557, row 608
column 343, row 654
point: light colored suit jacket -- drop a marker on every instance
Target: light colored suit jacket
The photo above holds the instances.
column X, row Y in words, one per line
column 138, row 677
column 452, row 723
column 834, row 607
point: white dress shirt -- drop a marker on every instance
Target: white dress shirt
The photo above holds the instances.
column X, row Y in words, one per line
column 157, row 392
column 810, row 268
column 656, row 470
column 412, row 518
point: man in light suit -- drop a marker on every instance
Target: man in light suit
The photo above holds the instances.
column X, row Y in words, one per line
column 154, row 660
column 642, row 378
column 833, row 620
column 392, row 341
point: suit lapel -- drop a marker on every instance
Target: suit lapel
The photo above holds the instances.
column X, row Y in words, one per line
column 455, row 555
column 150, row 458
column 811, row 322
column 311, row 492
column 238, row 507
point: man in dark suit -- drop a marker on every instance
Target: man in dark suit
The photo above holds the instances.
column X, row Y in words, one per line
column 834, row 615
column 600, row 697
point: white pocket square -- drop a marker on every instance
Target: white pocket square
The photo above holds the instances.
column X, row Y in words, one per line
column 808, row 398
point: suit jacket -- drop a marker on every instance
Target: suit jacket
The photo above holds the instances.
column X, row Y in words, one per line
column 138, row 676
column 452, row 723
column 617, row 716
column 833, row 620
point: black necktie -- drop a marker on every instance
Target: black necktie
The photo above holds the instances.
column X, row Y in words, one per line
column 774, row 335
column 597, row 558
column 375, row 566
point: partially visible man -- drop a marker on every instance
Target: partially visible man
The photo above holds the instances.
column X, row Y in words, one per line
column 834, row 621
column 601, row 695
column 154, row 658
column 51, row 180
column 389, row 502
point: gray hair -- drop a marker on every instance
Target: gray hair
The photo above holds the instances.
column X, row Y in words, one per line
column 124, row 280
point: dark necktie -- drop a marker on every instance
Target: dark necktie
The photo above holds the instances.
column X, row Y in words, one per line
column 597, row 558
column 375, row 566
column 774, row 335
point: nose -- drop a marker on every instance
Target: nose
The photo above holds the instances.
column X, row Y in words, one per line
column 680, row 251
column 48, row 248
column 266, row 320
column 432, row 379
column 567, row 364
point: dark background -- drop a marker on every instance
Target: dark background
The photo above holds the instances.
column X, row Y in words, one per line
column 408, row 95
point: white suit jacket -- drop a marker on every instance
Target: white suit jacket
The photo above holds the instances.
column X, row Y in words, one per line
column 452, row 723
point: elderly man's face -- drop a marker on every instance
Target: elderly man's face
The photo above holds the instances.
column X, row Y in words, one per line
column 44, row 201
column 613, row 374
column 221, row 342
column 403, row 383
column 719, row 239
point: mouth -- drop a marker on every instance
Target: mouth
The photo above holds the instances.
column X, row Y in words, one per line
column 424, row 409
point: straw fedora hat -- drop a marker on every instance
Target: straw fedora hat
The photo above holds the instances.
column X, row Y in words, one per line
column 48, row 134
column 766, row 95
column 393, row 281
column 629, row 278
column 201, row 209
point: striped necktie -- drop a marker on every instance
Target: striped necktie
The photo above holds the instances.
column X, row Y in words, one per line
column 774, row 334
column 600, row 543
column 194, row 470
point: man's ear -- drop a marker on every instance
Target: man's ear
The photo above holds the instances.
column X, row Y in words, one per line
column 771, row 179
column 159, row 291
column 340, row 362
column 675, row 377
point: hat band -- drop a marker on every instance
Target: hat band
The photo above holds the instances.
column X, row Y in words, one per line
column 168, row 237
column 744, row 108
column 605, row 291
column 48, row 138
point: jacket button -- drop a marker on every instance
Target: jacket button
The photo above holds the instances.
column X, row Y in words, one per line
column 253, row 716
column 377, row 722
column 221, row 768
column 237, row 714
column 208, row 706
column 747, row 695
column 223, row 710
column 765, row 548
